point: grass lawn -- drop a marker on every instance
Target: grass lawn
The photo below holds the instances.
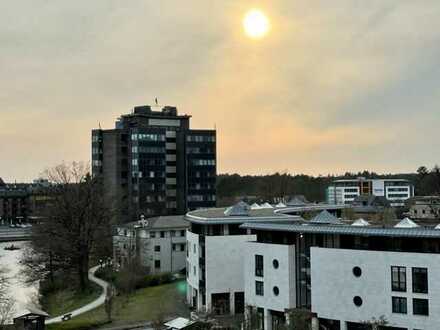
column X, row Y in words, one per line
column 143, row 305
column 64, row 301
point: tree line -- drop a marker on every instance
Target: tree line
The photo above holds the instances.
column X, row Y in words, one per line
column 267, row 187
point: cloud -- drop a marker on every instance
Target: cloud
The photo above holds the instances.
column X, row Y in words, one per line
column 335, row 86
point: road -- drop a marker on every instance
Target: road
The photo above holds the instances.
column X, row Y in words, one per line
column 8, row 234
column 94, row 304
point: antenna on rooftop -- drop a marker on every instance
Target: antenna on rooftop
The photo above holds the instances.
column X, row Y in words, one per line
column 157, row 103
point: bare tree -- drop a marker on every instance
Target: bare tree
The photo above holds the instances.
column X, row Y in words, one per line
column 77, row 224
column 6, row 302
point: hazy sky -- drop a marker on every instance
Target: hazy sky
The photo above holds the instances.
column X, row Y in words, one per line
column 336, row 85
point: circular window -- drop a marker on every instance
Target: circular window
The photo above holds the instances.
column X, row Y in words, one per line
column 357, row 271
column 275, row 263
column 357, row 301
column 276, row 291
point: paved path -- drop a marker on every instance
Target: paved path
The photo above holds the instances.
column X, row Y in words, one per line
column 96, row 303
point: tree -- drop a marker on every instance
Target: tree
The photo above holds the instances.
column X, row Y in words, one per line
column 299, row 319
column 76, row 226
column 376, row 323
column 6, row 302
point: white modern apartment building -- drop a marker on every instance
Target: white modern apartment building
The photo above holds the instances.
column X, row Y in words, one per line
column 396, row 191
column 216, row 255
column 344, row 273
column 158, row 243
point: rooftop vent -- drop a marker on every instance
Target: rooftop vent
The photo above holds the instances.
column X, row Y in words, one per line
column 325, row 218
column 280, row 204
column 255, row 206
column 360, row 223
column 239, row 209
column 406, row 223
column 266, row 206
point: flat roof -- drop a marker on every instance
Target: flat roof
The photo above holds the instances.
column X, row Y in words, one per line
column 419, row 232
column 161, row 222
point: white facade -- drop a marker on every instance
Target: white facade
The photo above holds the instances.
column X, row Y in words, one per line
column 345, row 191
column 218, row 264
column 334, row 286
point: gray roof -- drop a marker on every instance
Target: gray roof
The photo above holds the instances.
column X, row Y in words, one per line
column 239, row 209
column 325, row 218
column 161, row 222
column 346, row 230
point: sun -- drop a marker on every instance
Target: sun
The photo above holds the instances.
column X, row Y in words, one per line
column 256, row 24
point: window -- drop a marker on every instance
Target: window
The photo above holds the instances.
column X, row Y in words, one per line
column 357, row 271
column 182, row 233
column 173, row 233
column 420, row 306
column 276, row 291
column 399, row 305
column 174, row 247
column 258, row 265
column 157, row 248
column 275, row 263
column 357, row 301
column 152, row 234
column 162, row 234
column 259, row 288
column 398, row 278
column 420, row 280
column 157, row 264
column 182, row 247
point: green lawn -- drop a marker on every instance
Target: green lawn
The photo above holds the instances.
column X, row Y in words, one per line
column 143, row 305
column 64, row 301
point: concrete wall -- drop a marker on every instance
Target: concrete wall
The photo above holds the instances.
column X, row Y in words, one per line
column 224, row 265
column 334, row 286
column 283, row 277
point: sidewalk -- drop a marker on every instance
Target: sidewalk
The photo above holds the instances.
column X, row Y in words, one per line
column 94, row 304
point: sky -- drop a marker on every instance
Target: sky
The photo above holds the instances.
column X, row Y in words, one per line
column 335, row 86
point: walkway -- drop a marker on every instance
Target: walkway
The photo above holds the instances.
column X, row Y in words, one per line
column 94, row 304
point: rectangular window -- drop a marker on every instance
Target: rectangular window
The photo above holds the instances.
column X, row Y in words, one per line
column 420, row 306
column 162, row 234
column 182, row 247
column 259, row 265
column 420, row 280
column 174, row 247
column 182, row 233
column 157, row 248
column 157, row 264
column 152, row 234
column 398, row 278
column 399, row 305
column 259, row 288
column 172, row 233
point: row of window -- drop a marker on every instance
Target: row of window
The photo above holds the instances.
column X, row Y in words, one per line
column 200, row 138
column 398, row 189
column 399, row 195
column 175, row 247
column 96, row 150
column 199, row 150
column 203, row 162
column 419, row 279
column 147, row 150
column 201, row 186
column 147, row 137
column 201, row 198
column 163, row 234
column 97, row 162
column 420, row 306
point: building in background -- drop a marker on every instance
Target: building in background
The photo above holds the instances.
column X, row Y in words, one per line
column 23, row 202
column 158, row 244
column 424, row 208
column 153, row 163
column 396, row 191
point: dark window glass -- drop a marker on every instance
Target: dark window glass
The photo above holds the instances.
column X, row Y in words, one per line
column 357, row 271
column 420, row 306
column 258, row 265
column 420, row 280
column 156, row 263
column 398, row 278
column 157, row 248
column 259, row 288
column 357, row 301
column 162, row 234
column 399, row 305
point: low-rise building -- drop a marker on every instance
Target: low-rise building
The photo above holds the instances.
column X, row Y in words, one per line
column 158, row 243
column 344, row 274
column 396, row 191
column 424, row 207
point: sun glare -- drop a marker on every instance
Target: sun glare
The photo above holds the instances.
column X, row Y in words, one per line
column 255, row 24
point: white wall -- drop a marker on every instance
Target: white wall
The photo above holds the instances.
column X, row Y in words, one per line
column 224, row 264
column 283, row 277
column 334, row 286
